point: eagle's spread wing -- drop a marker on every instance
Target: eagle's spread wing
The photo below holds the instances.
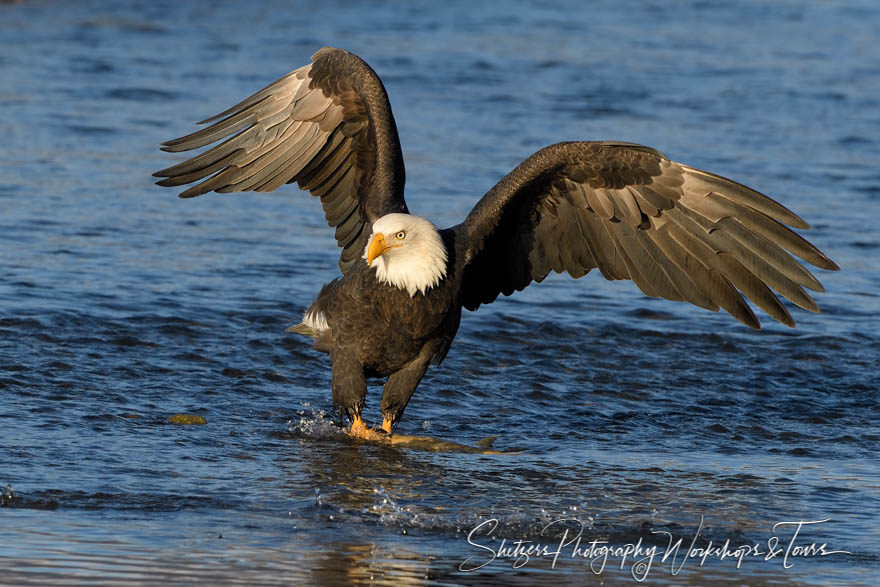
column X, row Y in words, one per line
column 678, row 232
column 327, row 126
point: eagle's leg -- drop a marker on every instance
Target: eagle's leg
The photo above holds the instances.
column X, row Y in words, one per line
column 349, row 386
column 399, row 389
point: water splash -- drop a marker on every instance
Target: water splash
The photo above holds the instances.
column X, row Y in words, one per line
column 314, row 424
column 6, row 496
column 390, row 511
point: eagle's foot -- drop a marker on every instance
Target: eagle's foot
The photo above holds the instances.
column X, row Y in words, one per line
column 360, row 430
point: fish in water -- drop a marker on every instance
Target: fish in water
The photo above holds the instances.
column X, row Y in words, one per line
column 625, row 209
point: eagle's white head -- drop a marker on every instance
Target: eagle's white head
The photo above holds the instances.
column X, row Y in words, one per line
column 407, row 252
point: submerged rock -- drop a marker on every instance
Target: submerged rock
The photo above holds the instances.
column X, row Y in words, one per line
column 187, row 419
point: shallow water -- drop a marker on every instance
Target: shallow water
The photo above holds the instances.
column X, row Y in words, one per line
column 121, row 305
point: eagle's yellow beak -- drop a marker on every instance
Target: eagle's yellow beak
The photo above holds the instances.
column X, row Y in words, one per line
column 378, row 246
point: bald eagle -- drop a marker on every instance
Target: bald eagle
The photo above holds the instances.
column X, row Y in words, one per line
column 678, row 232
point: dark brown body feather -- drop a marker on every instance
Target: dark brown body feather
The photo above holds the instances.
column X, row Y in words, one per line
column 391, row 326
column 377, row 330
column 678, row 232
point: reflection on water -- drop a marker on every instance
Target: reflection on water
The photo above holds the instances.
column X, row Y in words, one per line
column 634, row 419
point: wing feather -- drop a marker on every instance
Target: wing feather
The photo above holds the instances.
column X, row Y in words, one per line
column 604, row 251
column 678, row 232
column 327, row 126
column 264, row 166
column 634, row 267
column 601, row 203
column 355, row 245
column 183, row 177
column 716, row 285
column 727, row 265
column 336, row 158
column 661, row 270
column 294, row 166
column 570, row 251
column 690, row 273
column 332, row 182
column 772, row 255
column 631, row 213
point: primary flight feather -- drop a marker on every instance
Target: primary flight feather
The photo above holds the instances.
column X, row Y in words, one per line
column 678, row 232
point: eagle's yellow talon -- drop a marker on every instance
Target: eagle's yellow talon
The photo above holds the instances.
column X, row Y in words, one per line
column 386, row 426
column 360, row 430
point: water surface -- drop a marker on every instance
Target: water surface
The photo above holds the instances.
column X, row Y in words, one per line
column 121, row 305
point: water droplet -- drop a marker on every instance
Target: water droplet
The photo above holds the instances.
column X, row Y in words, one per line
column 6, row 495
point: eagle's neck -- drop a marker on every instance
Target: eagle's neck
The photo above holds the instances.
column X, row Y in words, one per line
column 416, row 267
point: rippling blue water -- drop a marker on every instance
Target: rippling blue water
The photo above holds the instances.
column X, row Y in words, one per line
column 121, row 305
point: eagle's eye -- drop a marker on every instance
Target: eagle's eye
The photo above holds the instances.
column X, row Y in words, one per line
column 401, row 235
